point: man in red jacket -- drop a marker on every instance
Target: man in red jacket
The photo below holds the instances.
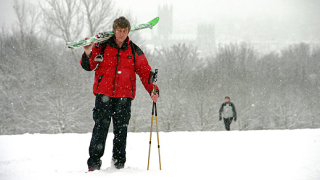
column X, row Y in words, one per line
column 116, row 63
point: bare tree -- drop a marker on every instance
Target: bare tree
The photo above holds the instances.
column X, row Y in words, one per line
column 63, row 19
column 20, row 11
column 176, row 67
column 27, row 16
column 99, row 14
column 202, row 90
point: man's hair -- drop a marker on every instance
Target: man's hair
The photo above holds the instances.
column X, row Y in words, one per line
column 121, row 22
column 227, row 97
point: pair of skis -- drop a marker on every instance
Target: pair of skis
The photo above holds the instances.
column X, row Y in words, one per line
column 106, row 35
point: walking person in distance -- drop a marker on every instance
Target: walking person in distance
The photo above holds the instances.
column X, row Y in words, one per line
column 228, row 112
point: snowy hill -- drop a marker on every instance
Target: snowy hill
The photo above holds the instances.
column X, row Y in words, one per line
column 286, row 154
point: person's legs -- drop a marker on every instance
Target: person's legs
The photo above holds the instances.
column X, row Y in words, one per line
column 227, row 122
column 102, row 116
column 121, row 117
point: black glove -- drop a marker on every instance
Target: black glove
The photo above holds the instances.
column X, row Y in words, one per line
column 235, row 119
column 220, row 118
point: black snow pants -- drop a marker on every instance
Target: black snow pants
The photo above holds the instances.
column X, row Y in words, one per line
column 227, row 123
column 119, row 109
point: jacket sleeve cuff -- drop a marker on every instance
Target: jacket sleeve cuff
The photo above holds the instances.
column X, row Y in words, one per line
column 85, row 62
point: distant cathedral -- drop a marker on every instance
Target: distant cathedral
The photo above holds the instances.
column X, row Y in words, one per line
column 205, row 37
column 165, row 14
column 204, row 40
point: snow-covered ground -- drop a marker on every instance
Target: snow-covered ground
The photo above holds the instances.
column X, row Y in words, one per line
column 280, row 154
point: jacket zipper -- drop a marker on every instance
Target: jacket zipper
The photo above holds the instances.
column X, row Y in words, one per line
column 131, row 87
column 115, row 77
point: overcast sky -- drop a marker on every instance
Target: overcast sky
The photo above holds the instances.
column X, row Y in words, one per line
column 242, row 20
column 296, row 20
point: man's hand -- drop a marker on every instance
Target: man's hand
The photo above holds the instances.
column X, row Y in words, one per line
column 220, row 118
column 154, row 97
column 88, row 48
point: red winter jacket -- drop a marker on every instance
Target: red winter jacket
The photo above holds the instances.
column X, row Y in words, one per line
column 115, row 76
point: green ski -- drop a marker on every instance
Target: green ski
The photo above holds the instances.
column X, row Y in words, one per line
column 106, row 35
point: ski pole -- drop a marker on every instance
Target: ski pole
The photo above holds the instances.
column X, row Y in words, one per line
column 155, row 106
column 150, row 135
column 154, row 112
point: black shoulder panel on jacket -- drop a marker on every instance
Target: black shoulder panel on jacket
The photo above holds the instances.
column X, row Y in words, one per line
column 109, row 41
column 137, row 49
column 85, row 62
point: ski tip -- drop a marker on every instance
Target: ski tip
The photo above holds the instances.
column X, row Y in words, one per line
column 153, row 22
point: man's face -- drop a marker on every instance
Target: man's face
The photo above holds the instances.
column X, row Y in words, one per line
column 227, row 99
column 121, row 33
